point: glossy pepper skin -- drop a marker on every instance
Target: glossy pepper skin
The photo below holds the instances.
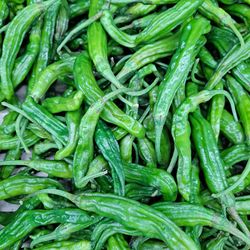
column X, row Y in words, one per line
column 181, row 132
column 84, row 152
column 242, row 100
column 235, row 154
column 234, row 57
column 18, row 185
column 13, row 40
column 47, row 37
column 98, row 47
column 212, row 164
column 110, row 149
column 117, row 242
column 61, row 232
column 64, row 245
column 41, row 116
column 59, row 104
column 48, row 75
column 231, row 129
column 141, row 217
column 168, row 20
column 4, row 12
column 53, row 168
column 180, row 65
column 73, row 122
column 148, row 54
column 24, row 63
column 37, row 218
column 111, row 113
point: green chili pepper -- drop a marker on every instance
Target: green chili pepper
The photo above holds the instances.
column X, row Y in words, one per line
column 62, row 21
column 39, row 131
column 98, row 47
column 153, row 177
column 41, row 116
column 37, row 218
column 62, row 232
column 111, row 113
column 212, row 164
column 78, row 8
column 231, row 128
column 235, row 154
column 47, row 36
column 140, row 9
column 84, row 151
column 242, row 186
column 218, row 243
column 73, row 122
column 141, row 217
column 4, row 12
column 181, row 63
column 49, row 75
column 216, row 107
column 13, row 40
column 181, row 132
column 43, row 147
column 148, row 54
column 105, row 229
column 12, row 154
column 218, row 15
column 59, row 104
column 118, row 35
column 12, row 142
column 138, row 192
column 53, row 168
column 233, row 58
column 241, row 11
column 110, row 150
column 24, row 63
column 147, row 152
column 168, row 20
column 64, row 245
column 140, row 23
column 242, row 101
column 223, row 40
column 181, row 214
column 18, row 185
column 242, row 205
column 117, row 242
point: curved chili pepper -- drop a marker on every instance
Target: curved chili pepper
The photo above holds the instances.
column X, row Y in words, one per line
column 49, row 75
column 53, row 168
column 13, row 40
column 141, row 217
column 19, row 185
column 47, row 37
column 64, row 245
column 148, row 54
column 233, row 58
column 59, row 104
column 168, row 20
column 242, row 101
column 191, row 40
column 78, row 8
column 212, row 164
column 235, row 154
column 111, row 113
column 181, row 132
column 84, row 152
column 37, row 218
column 231, row 129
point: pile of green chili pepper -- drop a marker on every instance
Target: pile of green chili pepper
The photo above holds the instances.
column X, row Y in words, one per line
column 125, row 124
